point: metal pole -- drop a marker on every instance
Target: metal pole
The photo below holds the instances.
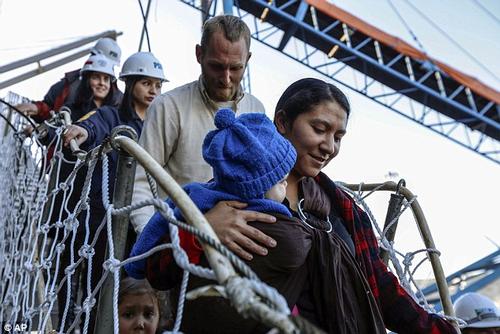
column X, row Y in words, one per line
column 227, row 5
column 54, row 52
column 44, row 68
column 395, row 204
column 40, row 291
column 122, row 196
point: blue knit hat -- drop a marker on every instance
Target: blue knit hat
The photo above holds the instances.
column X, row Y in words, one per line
column 247, row 154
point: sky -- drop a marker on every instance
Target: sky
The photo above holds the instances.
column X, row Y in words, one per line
column 456, row 188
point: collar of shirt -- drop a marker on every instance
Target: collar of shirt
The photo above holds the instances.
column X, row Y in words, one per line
column 135, row 117
column 211, row 104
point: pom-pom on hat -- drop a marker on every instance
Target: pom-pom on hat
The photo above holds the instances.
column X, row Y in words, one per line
column 247, row 154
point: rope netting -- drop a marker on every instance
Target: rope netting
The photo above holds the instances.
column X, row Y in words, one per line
column 48, row 246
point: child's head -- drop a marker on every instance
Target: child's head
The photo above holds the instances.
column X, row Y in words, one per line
column 138, row 307
column 248, row 156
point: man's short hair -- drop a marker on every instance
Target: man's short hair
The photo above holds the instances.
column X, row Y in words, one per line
column 232, row 26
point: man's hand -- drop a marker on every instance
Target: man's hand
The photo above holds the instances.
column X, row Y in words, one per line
column 75, row 132
column 28, row 109
column 229, row 222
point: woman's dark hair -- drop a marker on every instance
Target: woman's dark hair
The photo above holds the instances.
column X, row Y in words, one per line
column 84, row 95
column 126, row 110
column 303, row 94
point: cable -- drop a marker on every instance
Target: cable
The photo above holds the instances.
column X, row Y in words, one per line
column 145, row 25
column 421, row 47
column 452, row 40
column 486, row 11
column 23, row 115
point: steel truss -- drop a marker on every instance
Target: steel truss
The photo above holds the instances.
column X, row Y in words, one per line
column 469, row 279
column 415, row 89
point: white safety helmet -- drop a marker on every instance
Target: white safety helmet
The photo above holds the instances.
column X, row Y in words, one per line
column 109, row 48
column 144, row 64
column 98, row 63
column 477, row 310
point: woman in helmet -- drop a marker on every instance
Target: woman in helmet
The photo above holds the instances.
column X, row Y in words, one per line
column 143, row 76
column 64, row 92
column 96, row 88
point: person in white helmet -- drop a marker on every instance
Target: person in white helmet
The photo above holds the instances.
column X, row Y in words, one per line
column 143, row 75
column 65, row 91
column 97, row 87
column 479, row 312
column 108, row 48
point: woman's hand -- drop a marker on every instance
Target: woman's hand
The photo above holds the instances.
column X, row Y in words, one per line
column 28, row 109
column 75, row 132
column 229, row 222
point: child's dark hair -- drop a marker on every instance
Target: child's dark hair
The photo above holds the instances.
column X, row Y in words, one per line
column 130, row 286
column 126, row 110
column 303, row 94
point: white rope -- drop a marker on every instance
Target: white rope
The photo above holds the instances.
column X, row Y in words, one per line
column 114, row 263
